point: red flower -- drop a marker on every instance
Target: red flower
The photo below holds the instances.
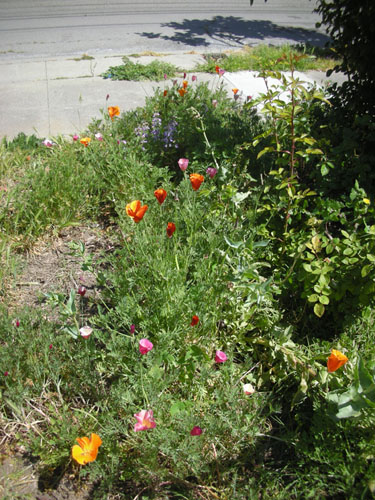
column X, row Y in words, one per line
column 160, row 195
column 171, row 228
column 182, row 92
column 196, row 181
column 196, row 431
column 194, row 320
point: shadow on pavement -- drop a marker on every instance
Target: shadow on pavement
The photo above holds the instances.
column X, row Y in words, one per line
column 234, row 31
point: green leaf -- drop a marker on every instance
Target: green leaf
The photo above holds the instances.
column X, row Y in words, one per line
column 233, row 244
column 324, row 170
column 313, row 297
column 176, row 407
column 323, row 299
column 366, row 269
column 319, row 309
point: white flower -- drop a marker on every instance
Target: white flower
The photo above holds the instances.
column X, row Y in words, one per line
column 248, row 389
column 85, row 332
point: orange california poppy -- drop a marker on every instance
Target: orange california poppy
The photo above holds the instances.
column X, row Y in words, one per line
column 234, row 91
column 196, row 181
column 113, row 111
column 87, row 449
column 182, row 92
column 165, row 93
column 171, row 228
column 336, row 360
column 160, row 195
column 185, row 83
column 194, row 320
column 217, row 69
column 85, row 141
column 135, row 210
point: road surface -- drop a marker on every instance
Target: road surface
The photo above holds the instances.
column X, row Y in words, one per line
column 53, row 28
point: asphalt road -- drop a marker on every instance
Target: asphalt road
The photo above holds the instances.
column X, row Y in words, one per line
column 51, row 28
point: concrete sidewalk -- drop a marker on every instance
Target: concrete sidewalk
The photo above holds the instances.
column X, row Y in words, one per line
column 62, row 96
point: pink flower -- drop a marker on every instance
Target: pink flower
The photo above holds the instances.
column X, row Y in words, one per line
column 214, row 103
column 99, row 136
column 132, row 329
column 184, row 76
column 16, row 323
column 145, row 346
column 50, row 346
column 220, row 357
column 221, row 72
column 85, row 332
column 183, row 163
column 145, row 420
column 165, row 76
column 81, row 290
column 196, row 431
column 193, row 78
column 75, row 137
column 48, row 143
column 211, row 171
column 6, row 374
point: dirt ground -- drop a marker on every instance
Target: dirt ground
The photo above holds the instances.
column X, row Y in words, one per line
column 50, row 267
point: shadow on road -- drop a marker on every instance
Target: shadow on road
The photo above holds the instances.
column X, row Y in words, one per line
column 234, row 31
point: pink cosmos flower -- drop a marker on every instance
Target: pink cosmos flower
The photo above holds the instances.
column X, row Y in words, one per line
column 165, row 76
column 132, row 329
column 85, row 332
column 75, row 137
column 211, row 171
column 145, row 346
column 220, row 357
column 99, row 136
column 183, row 163
column 193, row 78
column 145, row 420
column 196, row 431
column 48, row 143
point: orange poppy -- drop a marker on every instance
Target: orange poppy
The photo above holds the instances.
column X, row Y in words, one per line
column 336, row 360
column 185, row 84
column 85, row 141
column 160, row 195
column 217, row 69
column 182, row 92
column 234, row 91
column 113, row 111
column 165, row 93
column 171, row 228
column 87, row 449
column 196, row 181
column 135, row 210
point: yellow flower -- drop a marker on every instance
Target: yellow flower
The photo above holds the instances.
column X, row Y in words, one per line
column 367, row 201
column 87, row 449
column 135, row 210
column 85, row 141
